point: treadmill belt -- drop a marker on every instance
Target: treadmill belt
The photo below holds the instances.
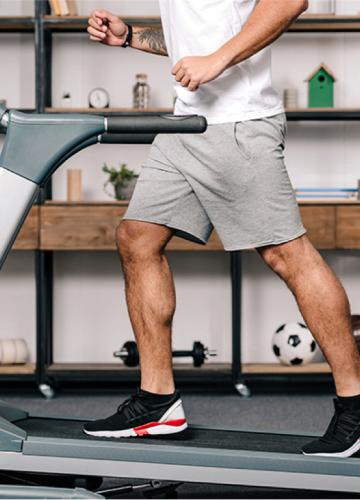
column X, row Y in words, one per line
column 201, row 438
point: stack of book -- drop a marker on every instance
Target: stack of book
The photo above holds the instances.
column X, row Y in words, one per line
column 326, row 193
column 64, row 7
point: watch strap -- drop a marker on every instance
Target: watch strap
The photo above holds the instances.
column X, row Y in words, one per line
column 128, row 40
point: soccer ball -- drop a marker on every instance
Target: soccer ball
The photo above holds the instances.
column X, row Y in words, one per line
column 293, row 344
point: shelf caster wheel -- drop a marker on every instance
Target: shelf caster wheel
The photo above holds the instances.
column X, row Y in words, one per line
column 243, row 390
column 47, row 391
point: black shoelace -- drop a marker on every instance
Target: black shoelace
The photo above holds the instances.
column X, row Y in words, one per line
column 344, row 424
column 132, row 407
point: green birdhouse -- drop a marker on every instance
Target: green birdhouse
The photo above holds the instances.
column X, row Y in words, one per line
column 321, row 88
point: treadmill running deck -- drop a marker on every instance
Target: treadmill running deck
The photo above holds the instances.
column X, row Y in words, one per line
column 193, row 437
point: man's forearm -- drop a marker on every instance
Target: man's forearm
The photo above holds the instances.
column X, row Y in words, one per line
column 269, row 20
column 149, row 40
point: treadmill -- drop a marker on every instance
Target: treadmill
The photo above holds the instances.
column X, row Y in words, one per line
column 42, row 445
column 203, row 455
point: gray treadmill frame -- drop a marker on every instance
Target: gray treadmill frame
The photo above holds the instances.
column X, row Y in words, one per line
column 175, row 463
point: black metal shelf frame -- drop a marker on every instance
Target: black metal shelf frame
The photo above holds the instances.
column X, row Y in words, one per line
column 20, row 24
column 44, row 260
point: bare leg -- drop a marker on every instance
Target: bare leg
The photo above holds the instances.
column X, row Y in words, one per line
column 150, row 295
column 324, row 306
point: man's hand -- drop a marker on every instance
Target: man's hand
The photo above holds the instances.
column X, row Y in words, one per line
column 268, row 21
column 106, row 28
column 191, row 72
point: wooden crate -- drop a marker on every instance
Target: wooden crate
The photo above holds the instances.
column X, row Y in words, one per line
column 28, row 238
column 348, row 227
column 79, row 227
column 92, row 227
column 320, row 222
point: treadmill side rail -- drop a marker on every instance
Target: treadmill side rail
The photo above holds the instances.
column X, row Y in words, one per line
column 11, row 436
column 18, row 492
column 11, row 413
column 187, row 456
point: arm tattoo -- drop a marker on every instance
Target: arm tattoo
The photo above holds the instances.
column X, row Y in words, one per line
column 153, row 38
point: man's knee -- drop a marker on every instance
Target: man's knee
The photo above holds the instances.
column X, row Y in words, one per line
column 283, row 259
column 136, row 239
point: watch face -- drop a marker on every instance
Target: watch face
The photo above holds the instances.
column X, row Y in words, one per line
column 99, row 98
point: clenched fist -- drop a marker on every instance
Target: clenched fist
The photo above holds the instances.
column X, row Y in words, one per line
column 191, row 72
column 107, row 28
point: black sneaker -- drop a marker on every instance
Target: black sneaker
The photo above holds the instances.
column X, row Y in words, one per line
column 342, row 437
column 142, row 415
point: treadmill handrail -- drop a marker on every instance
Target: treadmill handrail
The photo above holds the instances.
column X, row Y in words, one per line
column 159, row 124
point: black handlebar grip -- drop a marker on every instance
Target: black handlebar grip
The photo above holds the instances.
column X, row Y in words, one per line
column 127, row 138
column 161, row 124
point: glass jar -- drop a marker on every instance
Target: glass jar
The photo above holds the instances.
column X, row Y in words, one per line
column 141, row 92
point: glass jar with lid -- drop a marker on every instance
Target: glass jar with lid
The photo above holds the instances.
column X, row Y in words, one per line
column 141, row 92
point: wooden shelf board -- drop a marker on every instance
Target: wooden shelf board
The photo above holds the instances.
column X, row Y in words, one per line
column 59, row 203
column 310, row 201
column 133, row 110
column 327, row 17
column 27, row 369
column 322, row 110
column 325, row 23
column 110, row 111
column 328, row 201
column 79, row 23
column 249, row 368
column 277, row 368
column 105, row 367
column 306, row 23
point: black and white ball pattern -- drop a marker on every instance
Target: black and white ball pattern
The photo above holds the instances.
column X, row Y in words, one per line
column 293, row 344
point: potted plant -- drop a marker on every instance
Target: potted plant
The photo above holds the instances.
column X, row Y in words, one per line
column 123, row 181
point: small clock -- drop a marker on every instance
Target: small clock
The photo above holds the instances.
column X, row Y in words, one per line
column 99, row 98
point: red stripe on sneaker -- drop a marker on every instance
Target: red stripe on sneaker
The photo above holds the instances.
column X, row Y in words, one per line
column 171, row 423
column 141, row 432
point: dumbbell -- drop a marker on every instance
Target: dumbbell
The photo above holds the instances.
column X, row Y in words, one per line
column 129, row 354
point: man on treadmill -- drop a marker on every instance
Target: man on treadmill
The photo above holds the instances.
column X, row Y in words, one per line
column 232, row 178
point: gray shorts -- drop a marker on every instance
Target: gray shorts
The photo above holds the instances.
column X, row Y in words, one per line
column 232, row 178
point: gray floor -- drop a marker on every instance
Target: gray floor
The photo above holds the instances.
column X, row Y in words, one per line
column 303, row 413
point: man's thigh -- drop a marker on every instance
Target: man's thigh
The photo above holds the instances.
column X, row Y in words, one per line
column 164, row 196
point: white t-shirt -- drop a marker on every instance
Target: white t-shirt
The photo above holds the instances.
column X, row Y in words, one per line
column 200, row 27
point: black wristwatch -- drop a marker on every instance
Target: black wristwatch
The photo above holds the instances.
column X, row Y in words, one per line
column 129, row 37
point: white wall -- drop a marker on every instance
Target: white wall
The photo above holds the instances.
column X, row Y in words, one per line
column 90, row 313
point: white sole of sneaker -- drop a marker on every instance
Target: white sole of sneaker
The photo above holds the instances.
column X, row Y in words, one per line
column 342, row 454
column 152, row 429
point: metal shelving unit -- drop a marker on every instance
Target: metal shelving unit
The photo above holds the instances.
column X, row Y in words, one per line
column 44, row 26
